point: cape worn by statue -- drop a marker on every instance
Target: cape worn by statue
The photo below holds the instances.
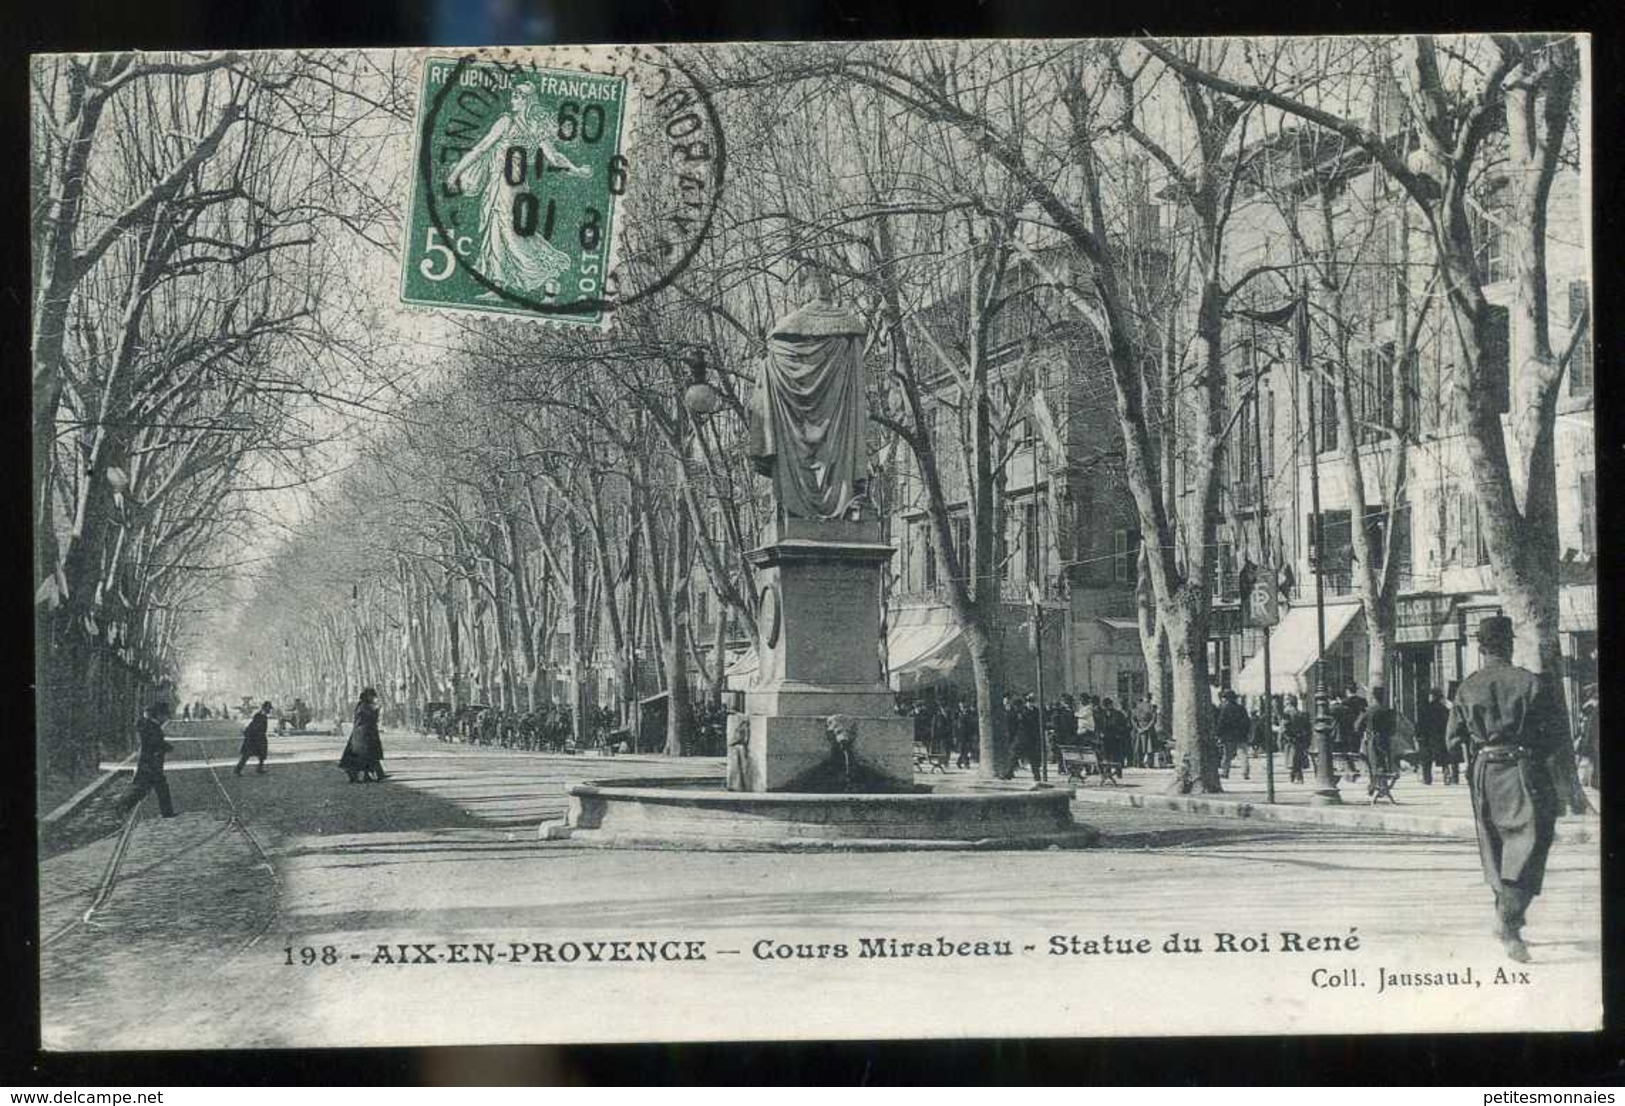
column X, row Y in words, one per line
column 808, row 416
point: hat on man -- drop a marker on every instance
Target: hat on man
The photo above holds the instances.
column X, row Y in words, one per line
column 1495, row 631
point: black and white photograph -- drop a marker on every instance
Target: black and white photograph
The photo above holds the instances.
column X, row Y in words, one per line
column 838, row 540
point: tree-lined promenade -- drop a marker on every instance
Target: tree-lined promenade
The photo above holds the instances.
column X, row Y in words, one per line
column 527, row 512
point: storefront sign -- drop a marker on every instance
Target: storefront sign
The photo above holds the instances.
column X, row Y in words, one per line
column 1424, row 618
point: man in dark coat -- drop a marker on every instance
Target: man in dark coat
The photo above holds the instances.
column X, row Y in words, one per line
column 921, row 716
column 965, row 733
column 1028, row 723
column 254, row 742
column 1511, row 730
column 1113, row 727
column 1009, row 716
column 1234, row 729
column 1346, row 713
column 1297, row 733
column 1376, row 729
column 1066, row 721
column 942, row 733
column 1432, row 720
column 149, row 765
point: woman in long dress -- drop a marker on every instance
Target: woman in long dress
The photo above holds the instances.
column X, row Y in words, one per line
column 363, row 758
column 529, row 263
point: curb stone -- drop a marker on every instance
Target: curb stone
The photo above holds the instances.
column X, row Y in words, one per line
column 1350, row 816
column 78, row 798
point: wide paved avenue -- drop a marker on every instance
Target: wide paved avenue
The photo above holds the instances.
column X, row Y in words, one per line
column 424, row 910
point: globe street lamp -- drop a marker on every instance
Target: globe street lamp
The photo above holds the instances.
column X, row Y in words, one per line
column 700, row 398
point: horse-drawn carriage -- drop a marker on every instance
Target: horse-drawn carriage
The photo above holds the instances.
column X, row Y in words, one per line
column 437, row 719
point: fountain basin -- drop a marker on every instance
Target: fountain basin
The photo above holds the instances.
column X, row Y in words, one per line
column 702, row 815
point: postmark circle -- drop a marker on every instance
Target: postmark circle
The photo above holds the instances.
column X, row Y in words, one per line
column 560, row 182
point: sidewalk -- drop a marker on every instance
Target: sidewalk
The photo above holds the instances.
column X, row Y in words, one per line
column 1438, row 810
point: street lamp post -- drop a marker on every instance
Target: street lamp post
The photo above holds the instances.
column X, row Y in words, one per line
column 1036, row 599
column 1269, row 572
column 1326, row 793
column 699, row 400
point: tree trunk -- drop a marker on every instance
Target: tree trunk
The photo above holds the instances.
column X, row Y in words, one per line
column 454, row 643
column 678, row 705
column 1196, row 767
column 502, row 616
column 987, row 673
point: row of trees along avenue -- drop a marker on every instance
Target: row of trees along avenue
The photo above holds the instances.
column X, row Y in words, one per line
column 545, row 502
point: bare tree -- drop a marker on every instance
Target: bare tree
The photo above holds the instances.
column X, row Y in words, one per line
column 1469, row 100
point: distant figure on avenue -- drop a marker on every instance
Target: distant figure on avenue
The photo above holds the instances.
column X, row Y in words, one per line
column 808, row 418
column 1587, row 741
column 1511, row 731
column 739, row 752
column 942, row 733
column 1086, row 719
column 1346, row 712
column 965, row 734
column 1029, row 720
column 363, row 759
column 1063, row 724
column 254, row 741
column 1376, row 728
column 1264, row 725
column 1145, row 732
column 1112, row 726
column 1297, row 733
column 1234, row 729
column 1432, row 721
column 149, row 765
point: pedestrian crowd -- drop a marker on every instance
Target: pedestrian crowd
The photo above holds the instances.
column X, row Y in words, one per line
column 1370, row 741
column 946, row 730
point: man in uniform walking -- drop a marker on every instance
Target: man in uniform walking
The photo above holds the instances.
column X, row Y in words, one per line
column 1510, row 730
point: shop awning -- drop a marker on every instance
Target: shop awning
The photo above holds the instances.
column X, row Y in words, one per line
column 1294, row 645
column 923, row 654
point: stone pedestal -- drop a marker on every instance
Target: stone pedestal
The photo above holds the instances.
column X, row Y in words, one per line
column 818, row 656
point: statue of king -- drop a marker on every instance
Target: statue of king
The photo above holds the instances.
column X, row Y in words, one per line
column 808, row 414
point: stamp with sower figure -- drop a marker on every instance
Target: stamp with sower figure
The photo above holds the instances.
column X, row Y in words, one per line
column 529, row 161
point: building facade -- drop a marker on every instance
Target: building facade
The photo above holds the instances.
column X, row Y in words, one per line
column 1286, row 425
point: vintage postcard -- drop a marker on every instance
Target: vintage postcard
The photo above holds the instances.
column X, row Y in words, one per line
column 815, row 540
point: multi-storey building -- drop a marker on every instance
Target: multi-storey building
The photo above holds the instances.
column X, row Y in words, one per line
column 1069, row 535
column 1445, row 587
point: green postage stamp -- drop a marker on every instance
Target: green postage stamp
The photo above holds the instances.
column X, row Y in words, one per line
column 517, row 176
